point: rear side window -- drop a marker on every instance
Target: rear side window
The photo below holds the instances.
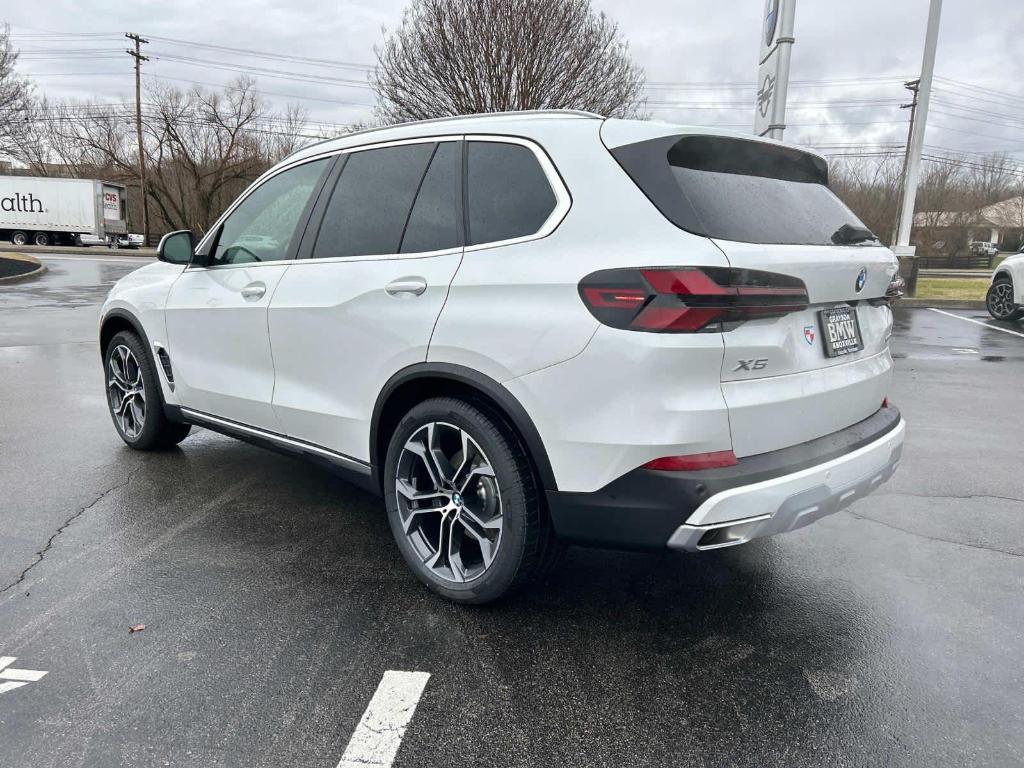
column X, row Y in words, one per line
column 434, row 223
column 736, row 189
column 371, row 202
column 507, row 192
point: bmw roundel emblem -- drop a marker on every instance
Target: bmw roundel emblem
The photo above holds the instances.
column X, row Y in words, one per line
column 862, row 278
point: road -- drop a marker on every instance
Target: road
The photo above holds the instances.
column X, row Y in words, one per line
column 274, row 600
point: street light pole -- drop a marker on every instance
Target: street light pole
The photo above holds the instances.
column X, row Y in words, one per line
column 912, row 171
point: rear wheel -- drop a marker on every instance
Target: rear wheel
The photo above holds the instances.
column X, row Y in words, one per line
column 999, row 301
column 463, row 502
column 41, row 239
column 133, row 396
column 19, row 238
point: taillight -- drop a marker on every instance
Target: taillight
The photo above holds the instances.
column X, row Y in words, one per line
column 897, row 287
column 688, row 299
column 693, row 461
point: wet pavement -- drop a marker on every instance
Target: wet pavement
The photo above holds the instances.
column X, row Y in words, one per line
column 889, row 634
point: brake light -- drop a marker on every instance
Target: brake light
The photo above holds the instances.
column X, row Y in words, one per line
column 693, row 461
column 688, row 299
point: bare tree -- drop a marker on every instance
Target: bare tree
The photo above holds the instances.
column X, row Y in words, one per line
column 452, row 57
column 871, row 189
column 202, row 146
column 15, row 95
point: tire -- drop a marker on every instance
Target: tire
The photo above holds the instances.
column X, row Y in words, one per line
column 19, row 238
column 143, row 426
column 999, row 301
column 503, row 506
column 42, row 239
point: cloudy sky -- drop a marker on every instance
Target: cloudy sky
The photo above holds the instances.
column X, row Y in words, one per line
column 849, row 61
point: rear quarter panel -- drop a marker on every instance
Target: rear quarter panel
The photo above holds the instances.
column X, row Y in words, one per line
column 515, row 309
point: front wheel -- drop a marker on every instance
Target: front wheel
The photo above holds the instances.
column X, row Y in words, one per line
column 42, row 239
column 133, row 396
column 999, row 301
column 463, row 502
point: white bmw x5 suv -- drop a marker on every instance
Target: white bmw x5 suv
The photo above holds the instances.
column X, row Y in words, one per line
column 531, row 329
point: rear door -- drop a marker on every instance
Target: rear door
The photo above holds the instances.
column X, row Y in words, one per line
column 361, row 301
column 795, row 377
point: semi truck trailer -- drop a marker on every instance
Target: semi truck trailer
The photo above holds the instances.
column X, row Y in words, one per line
column 51, row 211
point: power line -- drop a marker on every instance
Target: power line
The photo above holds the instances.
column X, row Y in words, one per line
column 268, row 55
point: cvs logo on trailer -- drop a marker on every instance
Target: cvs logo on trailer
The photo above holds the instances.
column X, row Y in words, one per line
column 111, row 204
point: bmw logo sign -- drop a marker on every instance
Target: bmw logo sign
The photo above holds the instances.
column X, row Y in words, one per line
column 457, row 499
column 862, row 278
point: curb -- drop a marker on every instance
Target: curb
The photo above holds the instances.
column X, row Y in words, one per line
column 57, row 250
column 40, row 268
column 941, row 303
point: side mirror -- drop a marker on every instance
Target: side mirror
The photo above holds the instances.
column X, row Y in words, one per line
column 177, row 247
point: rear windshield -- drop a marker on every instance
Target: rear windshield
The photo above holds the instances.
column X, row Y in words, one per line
column 735, row 189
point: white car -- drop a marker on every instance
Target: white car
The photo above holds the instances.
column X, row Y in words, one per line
column 130, row 240
column 1005, row 297
column 529, row 329
column 86, row 240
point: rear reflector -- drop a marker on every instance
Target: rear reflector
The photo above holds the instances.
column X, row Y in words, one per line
column 693, row 461
column 688, row 299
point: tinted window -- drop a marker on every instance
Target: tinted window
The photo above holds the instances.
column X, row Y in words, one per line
column 433, row 224
column 736, row 189
column 371, row 201
column 507, row 191
column 262, row 227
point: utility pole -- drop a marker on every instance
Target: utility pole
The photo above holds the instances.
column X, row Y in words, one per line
column 912, row 172
column 139, row 58
column 912, row 86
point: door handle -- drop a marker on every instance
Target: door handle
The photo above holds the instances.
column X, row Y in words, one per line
column 254, row 291
column 413, row 285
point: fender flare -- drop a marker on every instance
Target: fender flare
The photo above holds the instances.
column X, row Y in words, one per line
column 512, row 408
column 128, row 317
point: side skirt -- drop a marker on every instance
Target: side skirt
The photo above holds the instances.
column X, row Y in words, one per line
column 353, row 470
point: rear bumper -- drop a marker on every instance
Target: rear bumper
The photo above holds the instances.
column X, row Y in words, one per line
column 761, row 496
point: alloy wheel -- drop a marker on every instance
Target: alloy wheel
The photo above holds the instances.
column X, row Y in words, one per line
column 449, row 504
column 1000, row 300
column 126, row 391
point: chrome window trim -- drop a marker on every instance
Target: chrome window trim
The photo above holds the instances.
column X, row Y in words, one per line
column 563, row 199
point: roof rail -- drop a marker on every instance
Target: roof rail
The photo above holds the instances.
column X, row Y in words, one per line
column 450, row 118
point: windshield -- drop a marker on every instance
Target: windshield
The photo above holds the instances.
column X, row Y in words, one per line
column 742, row 190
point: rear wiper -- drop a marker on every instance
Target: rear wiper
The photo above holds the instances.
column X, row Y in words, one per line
column 849, row 234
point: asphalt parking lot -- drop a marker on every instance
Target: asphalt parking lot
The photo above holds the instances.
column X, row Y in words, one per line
column 274, row 601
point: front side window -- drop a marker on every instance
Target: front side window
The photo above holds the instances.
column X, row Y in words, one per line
column 264, row 224
column 507, row 192
column 372, row 200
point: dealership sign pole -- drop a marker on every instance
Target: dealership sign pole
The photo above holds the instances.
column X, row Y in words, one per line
column 773, row 68
column 912, row 166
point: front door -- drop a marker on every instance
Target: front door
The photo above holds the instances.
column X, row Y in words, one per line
column 216, row 314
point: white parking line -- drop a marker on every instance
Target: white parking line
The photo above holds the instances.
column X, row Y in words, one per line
column 977, row 322
column 15, row 678
column 379, row 733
